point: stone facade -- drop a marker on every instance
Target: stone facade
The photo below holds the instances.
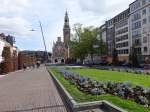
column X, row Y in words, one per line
column 130, row 28
column 59, row 52
column 60, row 48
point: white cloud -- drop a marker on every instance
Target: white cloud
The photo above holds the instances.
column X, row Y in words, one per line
column 12, row 20
column 13, row 6
column 51, row 13
column 14, row 26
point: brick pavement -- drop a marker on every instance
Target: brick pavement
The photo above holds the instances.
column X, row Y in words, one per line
column 29, row 91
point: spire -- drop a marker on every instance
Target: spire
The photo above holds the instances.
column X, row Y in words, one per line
column 66, row 13
column 66, row 20
column 66, row 29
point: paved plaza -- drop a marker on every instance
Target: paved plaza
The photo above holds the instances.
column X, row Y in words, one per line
column 29, row 91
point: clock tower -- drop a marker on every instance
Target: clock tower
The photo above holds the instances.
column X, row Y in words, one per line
column 66, row 29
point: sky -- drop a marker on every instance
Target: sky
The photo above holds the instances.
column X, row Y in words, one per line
column 19, row 17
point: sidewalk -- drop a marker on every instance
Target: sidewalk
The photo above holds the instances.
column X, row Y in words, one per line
column 29, row 91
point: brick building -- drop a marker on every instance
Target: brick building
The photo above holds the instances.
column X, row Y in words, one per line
column 60, row 48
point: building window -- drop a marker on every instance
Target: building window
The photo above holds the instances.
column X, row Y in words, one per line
column 144, row 30
column 136, row 34
column 143, row 2
column 121, row 31
column 145, row 49
column 136, row 16
column 137, row 42
column 122, row 38
column 120, row 45
column 136, row 25
column 135, row 6
column 144, row 12
column 137, row 50
column 149, row 19
column 144, row 39
column 144, row 21
column 124, row 51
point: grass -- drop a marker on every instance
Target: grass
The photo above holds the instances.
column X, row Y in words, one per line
column 79, row 96
column 115, row 76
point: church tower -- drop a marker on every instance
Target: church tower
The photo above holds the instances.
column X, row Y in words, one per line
column 66, row 29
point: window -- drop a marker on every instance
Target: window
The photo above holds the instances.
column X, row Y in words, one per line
column 120, row 45
column 136, row 34
column 144, row 11
column 149, row 18
column 136, row 25
column 144, row 21
column 143, row 2
column 137, row 42
column 135, row 6
column 136, row 16
column 125, row 51
column 144, row 39
column 121, row 38
column 145, row 49
column 124, row 30
column 121, row 24
column 144, row 30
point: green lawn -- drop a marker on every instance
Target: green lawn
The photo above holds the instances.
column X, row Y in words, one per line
column 82, row 97
column 103, row 75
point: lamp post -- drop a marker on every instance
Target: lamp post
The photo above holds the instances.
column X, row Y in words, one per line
column 46, row 57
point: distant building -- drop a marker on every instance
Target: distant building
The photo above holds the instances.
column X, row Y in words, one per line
column 10, row 39
column 140, row 27
column 38, row 55
column 130, row 29
column 60, row 49
column 103, row 33
column 8, row 57
column 122, row 42
column 110, row 35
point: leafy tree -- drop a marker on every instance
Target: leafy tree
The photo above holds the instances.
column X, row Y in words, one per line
column 84, row 41
column 89, row 39
column 133, row 58
column 78, row 50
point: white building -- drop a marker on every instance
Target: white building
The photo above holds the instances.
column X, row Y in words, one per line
column 103, row 33
column 2, row 45
column 122, row 35
column 140, row 26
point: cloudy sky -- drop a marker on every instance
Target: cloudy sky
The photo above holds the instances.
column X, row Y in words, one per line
column 18, row 17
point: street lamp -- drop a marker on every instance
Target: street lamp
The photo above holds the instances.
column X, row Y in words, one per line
column 46, row 57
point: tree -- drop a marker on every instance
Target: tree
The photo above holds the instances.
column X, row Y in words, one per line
column 84, row 41
column 133, row 58
column 77, row 28
column 78, row 50
column 89, row 39
column 102, row 47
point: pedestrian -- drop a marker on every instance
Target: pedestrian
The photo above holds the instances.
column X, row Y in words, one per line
column 24, row 66
column 38, row 64
column 33, row 65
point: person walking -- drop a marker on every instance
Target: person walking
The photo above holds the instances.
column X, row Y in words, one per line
column 24, row 66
